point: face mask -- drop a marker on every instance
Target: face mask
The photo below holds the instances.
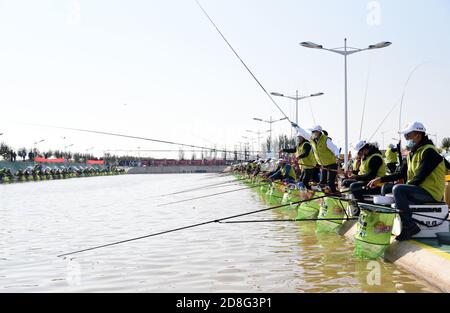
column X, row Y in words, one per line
column 410, row 144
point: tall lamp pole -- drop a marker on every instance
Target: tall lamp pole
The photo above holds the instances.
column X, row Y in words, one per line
column 270, row 122
column 345, row 51
column 297, row 98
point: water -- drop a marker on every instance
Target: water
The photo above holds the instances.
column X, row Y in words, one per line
column 44, row 219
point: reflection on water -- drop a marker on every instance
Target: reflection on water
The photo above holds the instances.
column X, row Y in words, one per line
column 41, row 220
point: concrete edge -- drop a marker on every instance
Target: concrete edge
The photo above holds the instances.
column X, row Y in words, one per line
column 425, row 262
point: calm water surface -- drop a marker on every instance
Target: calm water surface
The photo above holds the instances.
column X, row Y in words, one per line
column 44, row 219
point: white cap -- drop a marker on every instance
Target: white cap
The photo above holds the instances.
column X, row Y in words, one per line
column 316, row 128
column 413, row 127
column 361, row 144
column 299, row 134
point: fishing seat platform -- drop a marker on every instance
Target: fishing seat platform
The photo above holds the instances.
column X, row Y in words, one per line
column 436, row 220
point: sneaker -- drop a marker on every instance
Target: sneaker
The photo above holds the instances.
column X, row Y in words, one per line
column 408, row 232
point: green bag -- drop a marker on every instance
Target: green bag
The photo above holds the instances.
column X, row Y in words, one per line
column 373, row 233
column 330, row 208
column 309, row 209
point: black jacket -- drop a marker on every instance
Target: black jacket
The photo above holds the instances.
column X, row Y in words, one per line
column 430, row 160
column 374, row 165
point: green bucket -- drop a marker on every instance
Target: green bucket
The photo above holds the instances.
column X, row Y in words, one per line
column 373, row 234
column 330, row 208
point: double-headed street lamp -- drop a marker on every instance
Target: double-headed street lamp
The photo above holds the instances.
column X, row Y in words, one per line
column 296, row 98
column 270, row 121
column 345, row 51
column 258, row 134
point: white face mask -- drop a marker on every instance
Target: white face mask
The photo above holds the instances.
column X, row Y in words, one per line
column 410, row 144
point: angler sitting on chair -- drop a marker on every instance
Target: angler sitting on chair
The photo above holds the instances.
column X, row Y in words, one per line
column 284, row 172
column 424, row 173
column 372, row 166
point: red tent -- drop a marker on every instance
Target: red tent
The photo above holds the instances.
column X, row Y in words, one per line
column 42, row 160
column 95, row 162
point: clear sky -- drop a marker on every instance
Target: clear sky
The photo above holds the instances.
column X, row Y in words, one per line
column 158, row 69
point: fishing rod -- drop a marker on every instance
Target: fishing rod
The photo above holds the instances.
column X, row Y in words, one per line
column 203, row 187
column 399, row 101
column 403, row 95
column 137, row 138
column 212, row 195
column 186, row 227
column 392, row 210
column 290, row 220
column 243, row 63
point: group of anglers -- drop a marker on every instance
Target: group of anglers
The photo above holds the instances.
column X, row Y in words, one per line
column 417, row 178
column 41, row 172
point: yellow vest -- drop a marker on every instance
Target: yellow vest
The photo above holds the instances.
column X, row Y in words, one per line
column 364, row 167
column 433, row 183
column 291, row 173
column 307, row 162
column 324, row 156
column 391, row 156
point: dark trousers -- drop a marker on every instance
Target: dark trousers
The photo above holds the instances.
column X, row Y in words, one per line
column 356, row 188
column 307, row 176
column 328, row 176
column 359, row 193
column 391, row 167
column 316, row 175
column 404, row 195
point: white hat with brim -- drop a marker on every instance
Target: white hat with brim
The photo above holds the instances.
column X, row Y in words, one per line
column 299, row 134
column 361, row 144
column 316, row 128
column 413, row 127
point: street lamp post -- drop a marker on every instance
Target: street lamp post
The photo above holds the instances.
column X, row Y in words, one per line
column 258, row 134
column 296, row 98
column 270, row 122
column 345, row 52
column 252, row 140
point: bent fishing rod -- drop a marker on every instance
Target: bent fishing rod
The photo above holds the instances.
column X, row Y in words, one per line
column 242, row 61
column 218, row 220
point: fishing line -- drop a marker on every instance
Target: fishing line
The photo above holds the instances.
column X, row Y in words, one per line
column 135, row 137
column 207, row 196
column 204, row 187
column 403, row 95
column 240, row 59
column 185, row 227
column 365, row 97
